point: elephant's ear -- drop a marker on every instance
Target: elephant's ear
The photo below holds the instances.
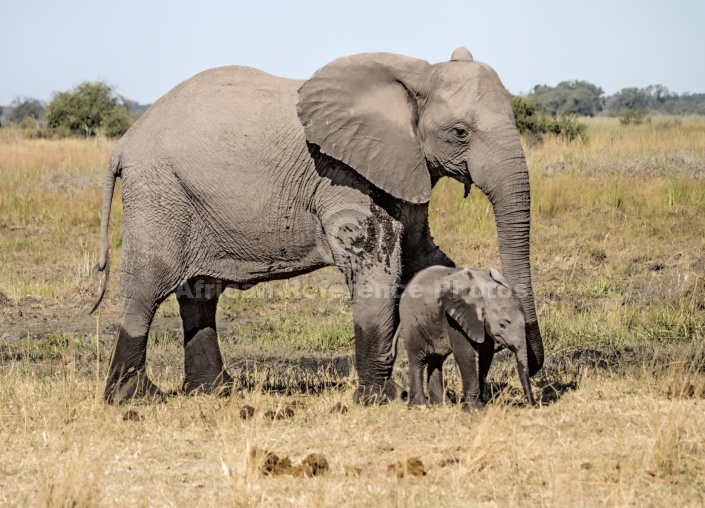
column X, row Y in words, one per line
column 462, row 300
column 499, row 278
column 362, row 111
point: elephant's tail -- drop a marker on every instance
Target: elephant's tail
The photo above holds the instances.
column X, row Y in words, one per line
column 103, row 264
column 395, row 344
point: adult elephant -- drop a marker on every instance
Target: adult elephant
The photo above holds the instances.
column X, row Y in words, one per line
column 236, row 177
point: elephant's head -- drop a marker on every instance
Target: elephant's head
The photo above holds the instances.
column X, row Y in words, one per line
column 403, row 123
column 485, row 305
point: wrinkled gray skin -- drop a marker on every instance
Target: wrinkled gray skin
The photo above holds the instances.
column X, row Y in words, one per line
column 456, row 310
column 239, row 177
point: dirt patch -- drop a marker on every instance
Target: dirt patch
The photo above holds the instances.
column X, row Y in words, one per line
column 293, row 375
column 613, row 360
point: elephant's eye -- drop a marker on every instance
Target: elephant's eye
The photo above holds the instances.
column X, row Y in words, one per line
column 503, row 325
column 460, row 132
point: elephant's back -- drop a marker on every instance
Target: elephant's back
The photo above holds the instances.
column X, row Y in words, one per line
column 429, row 277
column 222, row 97
column 421, row 294
column 227, row 124
column 245, row 87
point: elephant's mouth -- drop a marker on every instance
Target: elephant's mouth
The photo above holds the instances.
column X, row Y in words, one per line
column 457, row 171
column 461, row 173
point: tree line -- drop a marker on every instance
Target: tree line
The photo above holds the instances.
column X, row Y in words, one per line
column 93, row 108
column 89, row 109
column 586, row 99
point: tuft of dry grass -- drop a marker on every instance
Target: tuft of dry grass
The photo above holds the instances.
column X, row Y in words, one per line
column 71, row 480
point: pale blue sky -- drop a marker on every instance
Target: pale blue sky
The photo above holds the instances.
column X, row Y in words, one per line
column 146, row 47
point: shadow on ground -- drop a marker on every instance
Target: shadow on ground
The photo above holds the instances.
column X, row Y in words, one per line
column 314, row 373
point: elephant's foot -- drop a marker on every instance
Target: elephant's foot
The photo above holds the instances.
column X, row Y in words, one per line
column 221, row 386
column 369, row 395
column 418, row 400
column 133, row 387
column 203, row 362
column 473, row 405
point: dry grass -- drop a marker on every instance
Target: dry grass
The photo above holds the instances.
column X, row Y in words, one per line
column 49, row 210
column 615, row 441
column 667, row 145
column 618, row 255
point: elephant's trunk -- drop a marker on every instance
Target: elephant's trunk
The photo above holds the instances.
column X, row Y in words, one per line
column 507, row 187
column 523, row 370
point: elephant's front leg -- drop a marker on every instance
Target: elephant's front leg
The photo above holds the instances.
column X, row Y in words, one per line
column 374, row 318
column 467, row 359
column 366, row 246
column 485, row 352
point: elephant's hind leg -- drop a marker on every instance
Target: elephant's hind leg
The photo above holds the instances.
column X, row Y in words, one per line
column 127, row 376
column 417, row 397
column 203, row 363
column 436, row 393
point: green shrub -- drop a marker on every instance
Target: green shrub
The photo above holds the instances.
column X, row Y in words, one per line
column 32, row 128
column 571, row 128
column 117, row 121
column 87, row 110
column 632, row 117
column 533, row 123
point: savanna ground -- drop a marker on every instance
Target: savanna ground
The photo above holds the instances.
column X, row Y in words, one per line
column 618, row 252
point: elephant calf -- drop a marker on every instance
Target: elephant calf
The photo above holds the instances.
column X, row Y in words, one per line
column 446, row 310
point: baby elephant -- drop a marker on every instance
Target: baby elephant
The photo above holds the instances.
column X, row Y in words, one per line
column 446, row 310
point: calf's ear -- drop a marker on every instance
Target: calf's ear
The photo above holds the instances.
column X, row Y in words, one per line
column 461, row 298
column 499, row 278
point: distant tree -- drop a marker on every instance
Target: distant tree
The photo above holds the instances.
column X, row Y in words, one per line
column 569, row 98
column 636, row 103
column 22, row 107
column 137, row 108
column 634, row 109
column 88, row 109
column 658, row 95
column 692, row 103
column 630, row 104
column 624, row 98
